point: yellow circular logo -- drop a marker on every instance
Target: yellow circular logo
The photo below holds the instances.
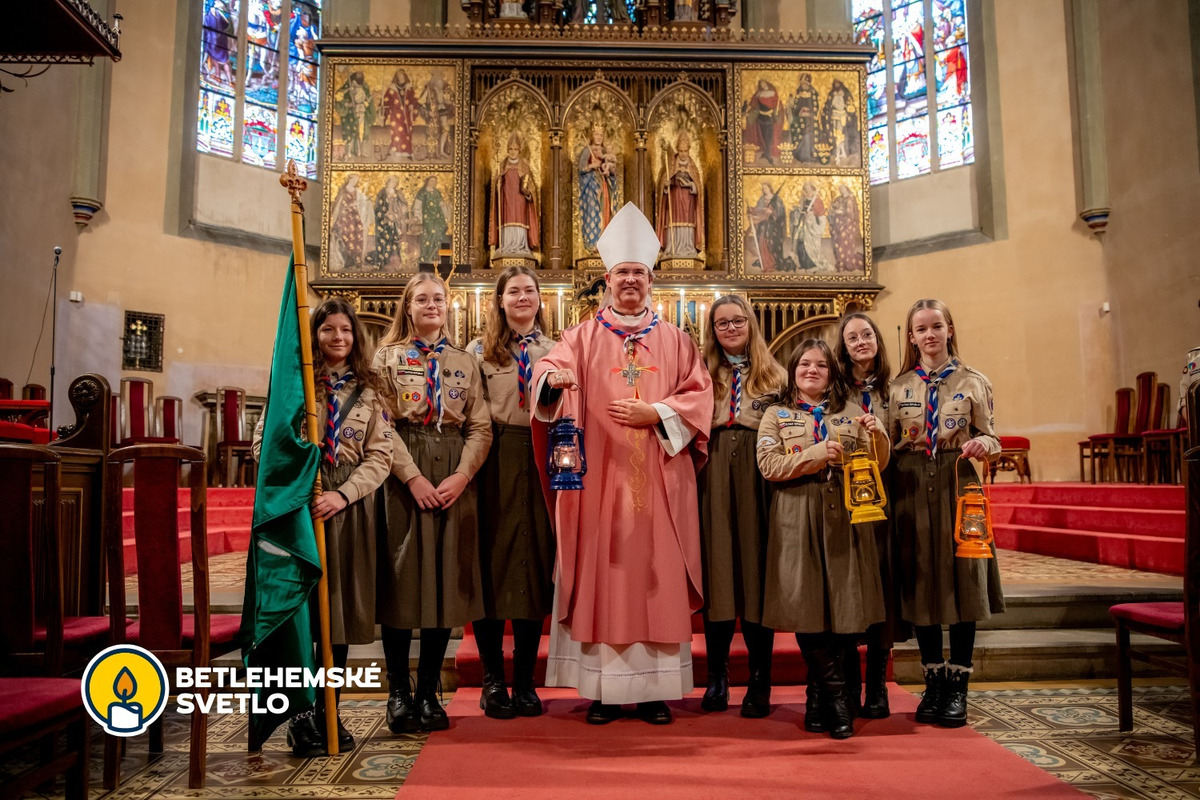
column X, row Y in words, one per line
column 124, row 689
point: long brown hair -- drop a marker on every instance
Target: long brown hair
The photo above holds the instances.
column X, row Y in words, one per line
column 498, row 335
column 766, row 374
column 836, row 393
column 881, row 370
column 402, row 328
column 912, row 354
column 357, row 360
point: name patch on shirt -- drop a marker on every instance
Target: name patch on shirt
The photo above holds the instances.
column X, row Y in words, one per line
column 910, row 405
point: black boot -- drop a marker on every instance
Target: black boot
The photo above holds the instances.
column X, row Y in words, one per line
column 813, row 721
column 852, row 674
column 304, row 737
column 717, row 637
column 527, row 635
column 930, row 707
column 345, row 738
column 429, row 679
column 494, row 700
column 954, row 701
column 876, row 703
column 760, row 642
column 401, row 709
column 828, row 658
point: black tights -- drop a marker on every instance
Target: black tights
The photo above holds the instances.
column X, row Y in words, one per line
column 396, row 644
column 489, row 633
column 962, row 643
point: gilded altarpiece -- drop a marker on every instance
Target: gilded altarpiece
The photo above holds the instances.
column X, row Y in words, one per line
column 481, row 149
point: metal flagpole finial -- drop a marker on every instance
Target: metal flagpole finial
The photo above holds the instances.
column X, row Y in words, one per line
column 294, row 182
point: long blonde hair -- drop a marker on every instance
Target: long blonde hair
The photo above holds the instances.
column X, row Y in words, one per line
column 498, row 335
column 767, row 376
column 912, row 355
column 402, row 328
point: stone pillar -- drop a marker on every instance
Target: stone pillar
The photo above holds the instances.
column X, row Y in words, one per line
column 639, row 140
column 1091, row 191
column 91, row 134
column 556, row 143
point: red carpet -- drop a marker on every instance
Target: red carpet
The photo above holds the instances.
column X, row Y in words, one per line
column 1122, row 525
column 703, row 756
column 229, row 510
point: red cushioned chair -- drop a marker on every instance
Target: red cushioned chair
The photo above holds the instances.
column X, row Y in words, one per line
column 138, row 424
column 33, row 632
column 33, row 391
column 116, row 414
column 162, row 627
column 1014, row 457
column 1176, row 622
column 1127, row 450
column 1103, row 445
column 235, row 463
column 35, row 710
column 5, row 389
column 1162, row 445
column 169, row 419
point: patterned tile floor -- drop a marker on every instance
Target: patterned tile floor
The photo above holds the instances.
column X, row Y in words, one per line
column 1069, row 730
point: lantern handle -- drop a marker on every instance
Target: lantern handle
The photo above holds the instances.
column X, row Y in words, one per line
column 982, row 481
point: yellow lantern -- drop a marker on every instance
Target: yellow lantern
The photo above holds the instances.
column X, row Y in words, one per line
column 863, row 489
column 973, row 524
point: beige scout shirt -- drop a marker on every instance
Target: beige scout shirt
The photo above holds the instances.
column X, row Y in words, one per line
column 365, row 439
column 752, row 407
column 788, row 449
column 402, row 368
column 964, row 411
column 500, row 383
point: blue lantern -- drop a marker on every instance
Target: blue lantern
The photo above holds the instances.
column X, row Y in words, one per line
column 567, row 463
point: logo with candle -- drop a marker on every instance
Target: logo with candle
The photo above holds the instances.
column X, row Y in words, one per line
column 124, row 689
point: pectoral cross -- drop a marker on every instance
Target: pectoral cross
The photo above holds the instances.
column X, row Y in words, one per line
column 632, row 372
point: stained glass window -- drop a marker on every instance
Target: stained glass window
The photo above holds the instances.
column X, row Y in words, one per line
column 247, row 59
column 918, row 85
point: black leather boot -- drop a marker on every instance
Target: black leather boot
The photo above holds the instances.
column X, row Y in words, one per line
column 876, row 703
column 814, row 722
column 401, row 709
column 345, row 738
column 930, row 707
column 717, row 637
column 494, row 700
column 429, row 708
column 760, row 642
column 304, row 737
column 953, row 713
column 525, row 701
column 829, row 660
column 852, row 674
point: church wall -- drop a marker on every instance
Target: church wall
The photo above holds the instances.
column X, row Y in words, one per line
column 1151, row 246
column 37, row 141
column 1026, row 307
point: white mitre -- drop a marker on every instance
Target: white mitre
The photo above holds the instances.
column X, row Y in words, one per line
column 629, row 236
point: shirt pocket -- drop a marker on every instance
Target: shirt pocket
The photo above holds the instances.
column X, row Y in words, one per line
column 795, row 435
column 956, row 418
column 454, row 390
column 911, row 423
column 410, row 390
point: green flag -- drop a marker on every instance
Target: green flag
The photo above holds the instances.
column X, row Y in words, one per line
column 282, row 565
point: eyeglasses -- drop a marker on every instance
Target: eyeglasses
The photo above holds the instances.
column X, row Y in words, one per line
column 737, row 323
column 866, row 338
column 436, row 302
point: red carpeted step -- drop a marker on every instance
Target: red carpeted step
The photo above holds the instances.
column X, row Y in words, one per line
column 214, row 497
column 1108, row 495
column 229, row 513
column 1144, row 521
column 1151, row 553
column 221, row 516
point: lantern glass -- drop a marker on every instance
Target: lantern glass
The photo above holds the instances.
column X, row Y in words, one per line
column 567, row 462
column 973, row 528
column 864, row 493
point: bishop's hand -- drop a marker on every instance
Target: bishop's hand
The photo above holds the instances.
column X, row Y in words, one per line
column 633, row 412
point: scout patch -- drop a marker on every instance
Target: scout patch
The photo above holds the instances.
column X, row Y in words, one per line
column 446, row 373
column 455, row 393
column 912, row 432
column 910, row 405
column 767, row 440
column 950, row 423
column 458, row 373
column 414, row 362
column 347, row 433
column 358, row 436
column 782, row 414
column 959, row 396
column 479, row 348
column 757, row 405
column 412, row 354
column 907, row 393
column 797, row 448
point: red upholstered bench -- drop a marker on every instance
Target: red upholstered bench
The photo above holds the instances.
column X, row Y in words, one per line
column 1014, row 457
column 33, row 708
column 1164, row 620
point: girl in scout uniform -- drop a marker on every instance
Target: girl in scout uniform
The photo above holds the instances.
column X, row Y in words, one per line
column 822, row 576
column 517, row 546
column 863, row 360
column 355, row 459
column 429, row 576
column 734, row 502
column 940, row 409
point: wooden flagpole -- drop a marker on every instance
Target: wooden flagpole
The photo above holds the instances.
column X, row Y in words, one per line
column 295, row 184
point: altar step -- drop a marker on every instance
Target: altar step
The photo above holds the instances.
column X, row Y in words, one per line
column 229, row 514
column 1122, row 525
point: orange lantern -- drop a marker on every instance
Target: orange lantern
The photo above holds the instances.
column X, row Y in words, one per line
column 973, row 524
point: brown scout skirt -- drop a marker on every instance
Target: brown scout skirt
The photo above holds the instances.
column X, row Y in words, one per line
column 935, row 587
column 516, row 541
column 895, row 628
column 734, row 504
column 822, row 572
column 350, row 547
column 428, row 561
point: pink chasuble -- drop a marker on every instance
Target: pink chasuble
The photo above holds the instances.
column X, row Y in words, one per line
column 629, row 541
